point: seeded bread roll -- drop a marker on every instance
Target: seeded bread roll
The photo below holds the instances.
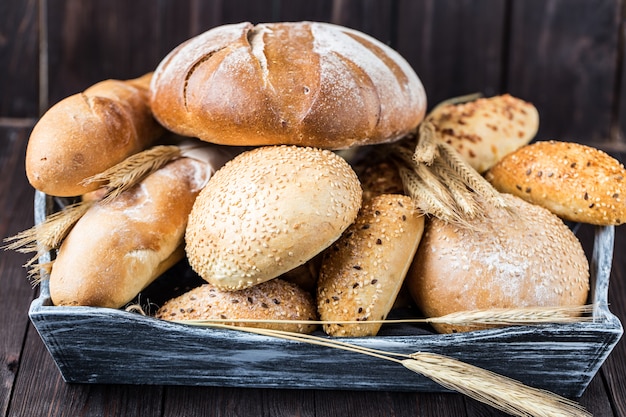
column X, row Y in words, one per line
column 519, row 256
column 272, row 300
column 362, row 273
column 576, row 182
column 116, row 249
column 486, row 129
column 89, row 132
column 268, row 211
column 302, row 83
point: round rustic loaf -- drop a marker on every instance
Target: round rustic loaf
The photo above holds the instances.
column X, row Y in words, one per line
column 519, row 256
column 362, row 273
column 267, row 211
column 576, row 182
column 303, row 83
column 272, row 300
column 486, row 129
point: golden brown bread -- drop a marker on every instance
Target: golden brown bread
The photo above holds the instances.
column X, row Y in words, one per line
column 362, row 273
column 117, row 248
column 519, row 256
column 303, row 83
column 89, row 132
column 486, row 129
column 272, row 300
column 576, row 182
column 267, row 211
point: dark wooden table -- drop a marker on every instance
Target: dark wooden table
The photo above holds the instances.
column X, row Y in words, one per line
column 32, row 386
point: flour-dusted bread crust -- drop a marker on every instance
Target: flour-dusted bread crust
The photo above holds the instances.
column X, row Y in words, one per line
column 89, row 132
column 486, row 129
column 116, row 249
column 577, row 182
column 362, row 273
column 272, row 300
column 302, row 83
column 268, row 211
column 519, row 256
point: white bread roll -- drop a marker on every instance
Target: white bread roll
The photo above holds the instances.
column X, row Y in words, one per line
column 362, row 273
column 576, row 182
column 302, row 83
column 272, row 300
column 520, row 256
column 486, row 129
column 116, row 249
column 268, row 211
column 89, row 132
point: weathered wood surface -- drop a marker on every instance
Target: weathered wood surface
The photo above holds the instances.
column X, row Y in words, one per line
column 567, row 56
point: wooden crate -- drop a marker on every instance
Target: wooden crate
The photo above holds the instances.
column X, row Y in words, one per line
column 100, row 345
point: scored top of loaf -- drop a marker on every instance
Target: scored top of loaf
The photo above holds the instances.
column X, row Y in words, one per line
column 303, row 83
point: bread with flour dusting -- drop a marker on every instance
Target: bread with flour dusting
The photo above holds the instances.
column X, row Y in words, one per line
column 302, row 83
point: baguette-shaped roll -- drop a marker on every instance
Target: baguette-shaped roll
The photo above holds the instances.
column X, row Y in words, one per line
column 363, row 271
column 574, row 181
column 271, row 300
column 89, row 132
column 116, row 249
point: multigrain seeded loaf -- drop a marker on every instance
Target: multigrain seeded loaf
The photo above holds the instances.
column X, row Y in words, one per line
column 362, row 273
column 576, row 182
column 519, row 256
column 89, row 132
column 272, row 300
column 486, row 129
column 297, row 83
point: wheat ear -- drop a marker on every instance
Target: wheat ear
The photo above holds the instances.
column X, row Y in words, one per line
column 133, row 169
column 488, row 387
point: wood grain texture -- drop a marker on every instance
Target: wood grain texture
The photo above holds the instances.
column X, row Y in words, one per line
column 454, row 46
column 563, row 57
column 15, row 290
column 19, row 59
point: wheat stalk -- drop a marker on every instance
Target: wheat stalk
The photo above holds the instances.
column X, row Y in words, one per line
column 133, row 169
column 495, row 316
column 485, row 386
column 456, row 100
column 498, row 391
column 426, row 150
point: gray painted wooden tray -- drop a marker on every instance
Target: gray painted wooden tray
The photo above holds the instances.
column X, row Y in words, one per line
column 99, row 345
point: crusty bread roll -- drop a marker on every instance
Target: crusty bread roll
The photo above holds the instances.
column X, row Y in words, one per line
column 486, row 129
column 117, row 248
column 576, row 182
column 362, row 273
column 272, row 300
column 267, row 211
column 304, row 83
column 380, row 176
column 519, row 256
column 89, row 132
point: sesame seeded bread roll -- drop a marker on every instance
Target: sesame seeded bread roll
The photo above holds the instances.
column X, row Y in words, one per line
column 486, row 129
column 272, row 300
column 362, row 273
column 267, row 211
column 89, row 132
column 576, row 182
column 293, row 83
column 117, row 248
column 521, row 256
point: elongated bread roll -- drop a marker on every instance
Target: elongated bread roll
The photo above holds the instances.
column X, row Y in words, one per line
column 363, row 271
column 272, row 300
column 89, row 132
column 116, row 249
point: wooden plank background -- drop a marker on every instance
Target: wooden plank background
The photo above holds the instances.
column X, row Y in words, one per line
column 565, row 56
